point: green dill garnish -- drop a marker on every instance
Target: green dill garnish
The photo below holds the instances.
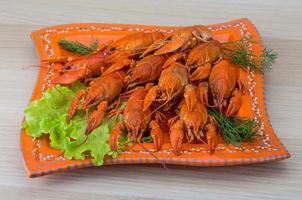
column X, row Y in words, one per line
column 234, row 130
column 269, row 58
column 77, row 47
column 124, row 143
column 240, row 54
column 147, row 139
column 93, row 45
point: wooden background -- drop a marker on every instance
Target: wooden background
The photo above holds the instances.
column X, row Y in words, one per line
column 279, row 22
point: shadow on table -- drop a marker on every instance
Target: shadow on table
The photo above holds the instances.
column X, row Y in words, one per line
column 273, row 170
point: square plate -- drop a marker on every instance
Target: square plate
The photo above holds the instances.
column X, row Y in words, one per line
column 40, row 159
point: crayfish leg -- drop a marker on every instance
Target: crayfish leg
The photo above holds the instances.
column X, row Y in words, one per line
column 190, row 135
column 160, row 117
column 172, row 121
column 199, row 135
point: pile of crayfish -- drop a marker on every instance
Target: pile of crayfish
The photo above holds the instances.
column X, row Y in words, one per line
column 163, row 80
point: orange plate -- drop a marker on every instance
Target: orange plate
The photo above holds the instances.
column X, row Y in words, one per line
column 40, row 159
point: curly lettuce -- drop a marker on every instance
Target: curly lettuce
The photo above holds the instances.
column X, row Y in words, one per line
column 47, row 115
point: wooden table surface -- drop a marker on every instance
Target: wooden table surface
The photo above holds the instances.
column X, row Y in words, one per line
column 279, row 22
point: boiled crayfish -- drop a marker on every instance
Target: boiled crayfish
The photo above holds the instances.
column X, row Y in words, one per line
column 83, row 67
column 127, row 48
column 180, row 74
column 191, row 122
column 135, row 43
column 148, row 69
column 226, row 87
column 115, row 54
column 171, row 85
column 100, row 93
column 199, row 59
column 136, row 121
column 180, row 40
column 202, row 57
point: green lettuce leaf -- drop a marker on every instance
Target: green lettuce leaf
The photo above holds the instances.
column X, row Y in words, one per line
column 47, row 115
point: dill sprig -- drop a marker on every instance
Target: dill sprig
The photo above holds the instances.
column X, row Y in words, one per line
column 269, row 58
column 234, row 130
column 77, row 47
column 240, row 54
column 124, row 143
column 93, row 45
column 147, row 139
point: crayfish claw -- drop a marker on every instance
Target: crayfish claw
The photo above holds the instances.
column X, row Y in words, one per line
column 150, row 97
column 69, row 77
column 234, row 104
column 114, row 137
column 74, row 104
column 119, row 65
column 201, row 73
column 153, row 47
column 241, row 86
column 156, row 134
column 212, row 137
column 190, row 97
column 172, row 59
column 176, row 137
column 170, row 47
column 96, row 117
column 202, row 91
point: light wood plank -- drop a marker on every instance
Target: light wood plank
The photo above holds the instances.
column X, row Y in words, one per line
column 278, row 23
